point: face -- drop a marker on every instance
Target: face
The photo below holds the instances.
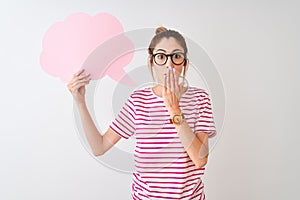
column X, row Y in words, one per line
column 167, row 46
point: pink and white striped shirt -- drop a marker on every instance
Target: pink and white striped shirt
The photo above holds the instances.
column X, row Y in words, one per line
column 163, row 169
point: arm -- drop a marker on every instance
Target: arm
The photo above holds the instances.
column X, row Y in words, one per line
column 196, row 145
column 98, row 143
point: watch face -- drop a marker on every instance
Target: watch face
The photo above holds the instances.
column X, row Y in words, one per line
column 177, row 119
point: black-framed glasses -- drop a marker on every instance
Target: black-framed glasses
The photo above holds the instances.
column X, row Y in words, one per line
column 161, row 58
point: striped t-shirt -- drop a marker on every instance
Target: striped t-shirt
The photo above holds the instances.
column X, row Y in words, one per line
column 163, row 169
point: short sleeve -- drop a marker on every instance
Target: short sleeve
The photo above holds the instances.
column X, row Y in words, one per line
column 205, row 120
column 124, row 122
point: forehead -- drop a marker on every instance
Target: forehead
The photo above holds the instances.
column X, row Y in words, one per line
column 168, row 44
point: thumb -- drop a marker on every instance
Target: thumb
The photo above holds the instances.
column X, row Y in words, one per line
column 181, row 86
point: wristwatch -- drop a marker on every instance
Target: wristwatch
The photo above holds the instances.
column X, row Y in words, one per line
column 177, row 119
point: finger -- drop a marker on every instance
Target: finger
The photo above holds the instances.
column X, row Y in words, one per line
column 176, row 80
column 177, row 89
column 70, row 88
column 165, row 83
column 78, row 78
column 172, row 80
column 168, row 80
column 79, row 86
column 180, row 88
column 80, row 81
column 83, row 75
column 78, row 72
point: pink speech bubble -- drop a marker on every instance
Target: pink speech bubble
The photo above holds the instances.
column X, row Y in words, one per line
column 95, row 43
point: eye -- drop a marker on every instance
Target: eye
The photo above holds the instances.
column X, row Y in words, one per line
column 160, row 56
column 178, row 56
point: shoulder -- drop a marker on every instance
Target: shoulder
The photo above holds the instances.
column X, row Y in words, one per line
column 200, row 95
column 197, row 91
column 140, row 93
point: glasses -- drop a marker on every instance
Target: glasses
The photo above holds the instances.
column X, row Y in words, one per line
column 161, row 58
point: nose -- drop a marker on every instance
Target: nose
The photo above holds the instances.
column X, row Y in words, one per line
column 169, row 62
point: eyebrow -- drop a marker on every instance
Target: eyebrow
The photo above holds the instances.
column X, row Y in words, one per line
column 172, row 51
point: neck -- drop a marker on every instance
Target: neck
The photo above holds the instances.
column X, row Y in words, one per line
column 157, row 89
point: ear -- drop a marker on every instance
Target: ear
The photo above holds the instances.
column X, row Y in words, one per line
column 150, row 60
column 186, row 62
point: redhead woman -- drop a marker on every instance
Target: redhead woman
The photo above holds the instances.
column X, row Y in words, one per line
column 171, row 122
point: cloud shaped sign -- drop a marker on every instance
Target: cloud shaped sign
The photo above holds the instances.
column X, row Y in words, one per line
column 95, row 43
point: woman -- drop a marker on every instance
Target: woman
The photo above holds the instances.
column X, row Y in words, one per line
column 172, row 124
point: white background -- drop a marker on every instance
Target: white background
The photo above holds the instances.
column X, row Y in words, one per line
column 255, row 47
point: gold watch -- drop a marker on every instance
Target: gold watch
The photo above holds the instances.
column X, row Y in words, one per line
column 177, row 119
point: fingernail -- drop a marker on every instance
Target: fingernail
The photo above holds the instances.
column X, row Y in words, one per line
column 173, row 69
column 165, row 75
